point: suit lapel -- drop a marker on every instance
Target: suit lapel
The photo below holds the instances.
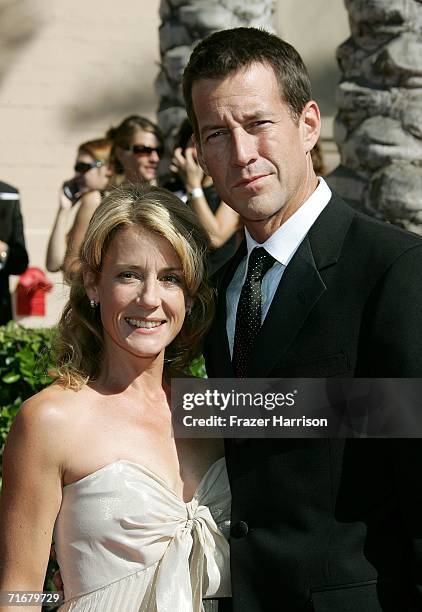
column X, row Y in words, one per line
column 219, row 364
column 300, row 288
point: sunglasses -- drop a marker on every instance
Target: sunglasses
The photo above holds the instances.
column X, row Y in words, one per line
column 82, row 167
column 143, row 150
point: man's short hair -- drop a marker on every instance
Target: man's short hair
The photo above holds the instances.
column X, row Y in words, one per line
column 227, row 51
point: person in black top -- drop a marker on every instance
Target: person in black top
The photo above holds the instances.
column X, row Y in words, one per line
column 13, row 255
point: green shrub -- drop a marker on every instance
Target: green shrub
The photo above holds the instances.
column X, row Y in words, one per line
column 25, row 360
column 197, row 368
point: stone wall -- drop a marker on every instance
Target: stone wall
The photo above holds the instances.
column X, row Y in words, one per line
column 378, row 126
column 185, row 22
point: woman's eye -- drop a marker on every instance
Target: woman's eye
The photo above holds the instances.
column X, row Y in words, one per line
column 127, row 275
column 172, row 278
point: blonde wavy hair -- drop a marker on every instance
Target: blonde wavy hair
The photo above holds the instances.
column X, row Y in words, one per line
column 79, row 343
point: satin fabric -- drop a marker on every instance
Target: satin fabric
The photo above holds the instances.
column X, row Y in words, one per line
column 125, row 541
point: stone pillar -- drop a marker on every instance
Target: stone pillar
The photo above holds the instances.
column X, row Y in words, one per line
column 185, row 22
column 378, row 128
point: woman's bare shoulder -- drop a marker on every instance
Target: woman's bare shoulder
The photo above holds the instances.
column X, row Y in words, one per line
column 44, row 428
column 54, row 407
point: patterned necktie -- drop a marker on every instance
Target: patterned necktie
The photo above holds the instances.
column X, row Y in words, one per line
column 248, row 316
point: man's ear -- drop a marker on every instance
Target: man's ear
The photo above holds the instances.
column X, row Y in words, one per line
column 201, row 161
column 310, row 124
column 90, row 283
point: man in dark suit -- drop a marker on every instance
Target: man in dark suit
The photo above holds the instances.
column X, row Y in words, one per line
column 13, row 255
column 329, row 525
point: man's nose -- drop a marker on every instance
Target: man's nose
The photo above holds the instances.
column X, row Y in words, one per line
column 243, row 148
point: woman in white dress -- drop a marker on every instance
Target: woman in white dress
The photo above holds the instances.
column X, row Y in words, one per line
column 140, row 518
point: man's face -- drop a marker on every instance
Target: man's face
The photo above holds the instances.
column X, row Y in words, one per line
column 256, row 153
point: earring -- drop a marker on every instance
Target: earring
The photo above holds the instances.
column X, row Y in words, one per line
column 93, row 303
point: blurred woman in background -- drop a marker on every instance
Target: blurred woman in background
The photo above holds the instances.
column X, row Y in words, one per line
column 137, row 148
column 78, row 198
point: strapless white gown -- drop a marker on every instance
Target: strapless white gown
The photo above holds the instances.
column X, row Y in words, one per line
column 125, row 542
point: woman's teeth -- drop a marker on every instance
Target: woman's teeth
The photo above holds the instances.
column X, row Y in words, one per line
column 145, row 324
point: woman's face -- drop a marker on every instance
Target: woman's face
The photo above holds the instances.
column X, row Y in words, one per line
column 140, row 164
column 92, row 178
column 141, row 292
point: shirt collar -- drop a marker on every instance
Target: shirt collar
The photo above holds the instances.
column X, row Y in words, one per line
column 284, row 242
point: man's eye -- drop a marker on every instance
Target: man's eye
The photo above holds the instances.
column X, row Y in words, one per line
column 215, row 135
column 259, row 124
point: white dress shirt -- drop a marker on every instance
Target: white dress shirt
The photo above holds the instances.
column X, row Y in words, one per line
column 282, row 245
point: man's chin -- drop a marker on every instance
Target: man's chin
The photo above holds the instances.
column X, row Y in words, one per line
column 258, row 210
column 262, row 220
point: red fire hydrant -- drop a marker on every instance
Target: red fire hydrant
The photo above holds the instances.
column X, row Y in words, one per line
column 30, row 293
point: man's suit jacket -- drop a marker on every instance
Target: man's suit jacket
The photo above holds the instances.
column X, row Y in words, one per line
column 11, row 232
column 331, row 525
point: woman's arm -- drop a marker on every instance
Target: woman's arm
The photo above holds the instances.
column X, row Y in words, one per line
column 89, row 202
column 228, row 222
column 31, row 494
column 56, row 248
column 219, row 227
